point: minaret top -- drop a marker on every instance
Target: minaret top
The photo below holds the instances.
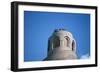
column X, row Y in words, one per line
column 62, row 32
column 61, row 45
column 62, row 37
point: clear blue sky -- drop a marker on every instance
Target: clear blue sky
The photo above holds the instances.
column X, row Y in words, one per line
column 39, row 26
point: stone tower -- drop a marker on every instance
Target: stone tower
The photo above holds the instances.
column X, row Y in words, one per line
column 61, row 46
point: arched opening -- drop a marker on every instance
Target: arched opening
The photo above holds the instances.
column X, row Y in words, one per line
column 73, row 45
column 56, row 42
column 68, row 41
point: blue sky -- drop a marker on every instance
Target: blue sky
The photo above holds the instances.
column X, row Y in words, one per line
column 39, row 26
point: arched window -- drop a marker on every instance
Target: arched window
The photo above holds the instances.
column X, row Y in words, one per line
column 56, row 42
column 73, row 46
column 68, row 41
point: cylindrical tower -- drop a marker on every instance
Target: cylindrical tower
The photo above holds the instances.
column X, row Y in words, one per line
column 61, row 46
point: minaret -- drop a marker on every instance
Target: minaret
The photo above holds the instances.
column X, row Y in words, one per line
column 61, row 46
